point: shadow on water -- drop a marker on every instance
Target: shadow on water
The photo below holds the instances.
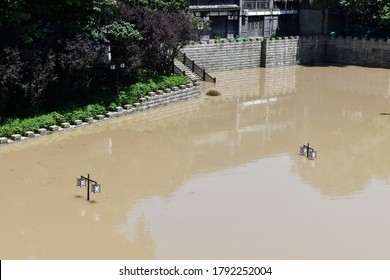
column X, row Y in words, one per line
column 315, row 65
column 83, row 198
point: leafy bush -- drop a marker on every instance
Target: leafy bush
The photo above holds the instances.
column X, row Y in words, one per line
column 78, row 114
column 140, row 89
column 17, row 126
column 10, row 127
column 45, row 120
column 213, row 92
column 112, row 106
column 94, row 109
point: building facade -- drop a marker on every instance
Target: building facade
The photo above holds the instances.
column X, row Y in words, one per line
column 242, row 18
column 223, row 16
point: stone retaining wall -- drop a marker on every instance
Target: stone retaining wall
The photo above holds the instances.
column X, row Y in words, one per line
column 279, row 52
column 225, row 54
column 152, row 100
column 312, row 50
column 272, row 52
column 357, row 51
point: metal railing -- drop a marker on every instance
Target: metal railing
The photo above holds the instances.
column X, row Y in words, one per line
column 286, row 5
column 265, row 5
column 256, row 5
column 194, row 67
column 213, row 2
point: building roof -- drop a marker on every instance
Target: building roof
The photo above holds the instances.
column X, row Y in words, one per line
column 214, row 8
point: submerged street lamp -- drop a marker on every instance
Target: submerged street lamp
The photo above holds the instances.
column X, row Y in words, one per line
column 86, row 182
column 308, row 151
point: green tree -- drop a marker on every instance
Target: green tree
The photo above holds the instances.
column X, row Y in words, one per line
column 359, row 13
column 160, row 5
column 383, row 16
column 11, row 72
column 32, row 39
column 53, row 52
column 125, row 48
column 29, row 20
column 162, row 34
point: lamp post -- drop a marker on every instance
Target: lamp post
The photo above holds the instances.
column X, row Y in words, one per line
column 308, row 151
column 86, row 182
column 116, row 67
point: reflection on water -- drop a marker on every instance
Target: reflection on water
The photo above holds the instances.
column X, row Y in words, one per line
column 254, row 212
column 218, row 177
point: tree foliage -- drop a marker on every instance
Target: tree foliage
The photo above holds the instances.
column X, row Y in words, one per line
column 53, row 52
column 159, row 5
column 24, row 79
column 360, row 13
column 29, row 20
column 383, row 16
column 11, row 73
column 162, row 33
column 120, row 31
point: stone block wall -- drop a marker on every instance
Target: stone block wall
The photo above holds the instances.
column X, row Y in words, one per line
column 358, row 51
column 165, row 97
column 279, row 52
column 225, row 54
column 272, row 52
column 312, row 50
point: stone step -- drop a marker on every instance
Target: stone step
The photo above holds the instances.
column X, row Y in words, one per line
column 188, row 72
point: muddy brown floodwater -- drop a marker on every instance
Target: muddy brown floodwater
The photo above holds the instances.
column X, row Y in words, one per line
column 214, row 178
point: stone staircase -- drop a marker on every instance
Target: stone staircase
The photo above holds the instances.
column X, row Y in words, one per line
column 191, row 75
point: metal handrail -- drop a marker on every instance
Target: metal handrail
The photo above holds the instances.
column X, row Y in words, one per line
column 256, row 5
column 213, row 2
column 194, row 67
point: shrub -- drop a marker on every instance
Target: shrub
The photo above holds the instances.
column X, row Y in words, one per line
column 112, row 106
column 213, row 92
column 45, row 121
column 140, row 89
column 78, row 114
column 10, row 127
column 95, row 109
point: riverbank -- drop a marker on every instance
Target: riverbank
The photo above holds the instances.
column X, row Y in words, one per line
column 150, row 101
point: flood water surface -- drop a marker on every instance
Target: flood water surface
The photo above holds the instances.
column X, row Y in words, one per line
column 214, row 178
